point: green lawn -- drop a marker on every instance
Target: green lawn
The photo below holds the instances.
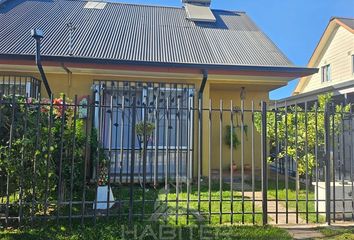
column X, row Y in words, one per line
column 291, row 191
column 215, row 206
column 115, row 230
column 338, row 233
column 312, row 218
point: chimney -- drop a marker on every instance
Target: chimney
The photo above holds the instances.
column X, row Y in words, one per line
column 198, row 10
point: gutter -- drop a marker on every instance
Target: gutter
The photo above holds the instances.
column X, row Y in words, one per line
column 200, row 125
column 293, row 71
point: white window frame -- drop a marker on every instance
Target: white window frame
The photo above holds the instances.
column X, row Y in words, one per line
column 326, row 73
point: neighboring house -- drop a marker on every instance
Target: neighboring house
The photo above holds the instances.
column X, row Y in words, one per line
column 108, row 49
column 334, row 57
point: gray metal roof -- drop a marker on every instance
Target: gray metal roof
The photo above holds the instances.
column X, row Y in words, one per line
column 135, row 33
column 347, row 21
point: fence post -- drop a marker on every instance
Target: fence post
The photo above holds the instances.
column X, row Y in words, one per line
column 264, row 164
column 132, row 161
column 327, row 163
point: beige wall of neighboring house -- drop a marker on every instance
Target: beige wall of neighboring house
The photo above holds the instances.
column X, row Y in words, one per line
column 336, row 49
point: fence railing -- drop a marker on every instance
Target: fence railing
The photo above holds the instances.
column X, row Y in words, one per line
column 81, row 160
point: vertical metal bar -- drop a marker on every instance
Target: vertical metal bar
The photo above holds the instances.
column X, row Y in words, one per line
column 200, row 120
column 145, row 136
column 243, row 158
column 72, row 161
column 307, row 164
column 189, row 157
column 316, row 158
column 98, row 149
column 157, row 132
column 220, row 162
column 110, row 130
column 9, row 151
column 253, row 165
column 122, row 140
column 34, row 178
column 351, row 152
column 59, row 195
column 22, row 163
column 334, row 161
column 297, row 165
column 209, row 158
column 167, row 150
column 178, row 159
column 132, row 160
column 343, row 160
column 231, row 160
column 87, row 155
column 116, row 108
column 129, row 137
column 328, row 164
column 286, row 167
column 49, row 144
column 264, row 164
column 277, row 167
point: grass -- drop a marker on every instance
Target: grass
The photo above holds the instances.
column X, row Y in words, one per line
column 215, row 217
column 282, row 192
column 118, row 230
column 312, row 217
column 338, row 233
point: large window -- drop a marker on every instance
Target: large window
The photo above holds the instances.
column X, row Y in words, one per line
column 326, row 73
column 165, row 106
column 19, row 85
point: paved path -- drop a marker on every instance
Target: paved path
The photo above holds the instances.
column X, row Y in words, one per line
column 272, row 207
column 304, row 232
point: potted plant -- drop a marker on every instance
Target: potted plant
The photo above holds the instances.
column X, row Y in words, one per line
column 144, row 132
column 104, row 192
column 234, row 166
column 233, row 138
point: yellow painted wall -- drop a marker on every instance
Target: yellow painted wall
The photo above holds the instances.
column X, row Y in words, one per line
column 80, row 84
column 227, row 96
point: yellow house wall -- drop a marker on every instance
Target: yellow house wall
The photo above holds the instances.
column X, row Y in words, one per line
column 80, row 84
column 227, row 96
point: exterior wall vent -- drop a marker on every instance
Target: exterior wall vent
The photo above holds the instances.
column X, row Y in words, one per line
column 199, row 10
column 95, row 5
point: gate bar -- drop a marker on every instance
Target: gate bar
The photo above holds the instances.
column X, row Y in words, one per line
column 264, row 164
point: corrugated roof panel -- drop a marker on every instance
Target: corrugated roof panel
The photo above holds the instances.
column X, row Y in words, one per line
column 136, row 32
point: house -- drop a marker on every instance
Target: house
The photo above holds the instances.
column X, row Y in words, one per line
column 119, row 53
column 334, row 56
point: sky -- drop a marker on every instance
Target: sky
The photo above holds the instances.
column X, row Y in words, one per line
column 295, row 26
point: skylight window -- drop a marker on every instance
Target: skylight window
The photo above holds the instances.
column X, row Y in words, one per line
column 199, row 13
column 95, row 5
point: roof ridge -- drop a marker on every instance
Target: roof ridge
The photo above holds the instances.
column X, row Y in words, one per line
column 336, row 17
column 151, row 5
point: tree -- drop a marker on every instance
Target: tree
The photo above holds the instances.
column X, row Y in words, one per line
column 294, row 132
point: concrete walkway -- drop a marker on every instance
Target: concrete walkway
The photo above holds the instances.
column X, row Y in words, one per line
column 272, row 208
column 303, row 232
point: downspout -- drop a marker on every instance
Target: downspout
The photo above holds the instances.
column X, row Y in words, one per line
column 69, row 76
column 200, row 125
column 37, row 34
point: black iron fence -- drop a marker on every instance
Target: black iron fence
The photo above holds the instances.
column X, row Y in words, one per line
column 134, row 157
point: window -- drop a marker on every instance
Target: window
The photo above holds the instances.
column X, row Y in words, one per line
column 326, row 73
column 19, row 85
column 353, row 64
column 156, row 103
